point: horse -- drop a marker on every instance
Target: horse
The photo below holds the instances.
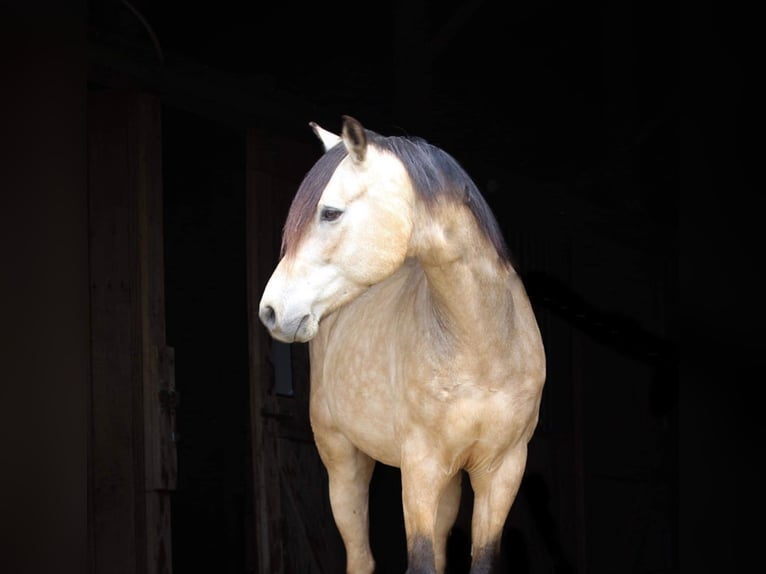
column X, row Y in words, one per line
column 424, row 350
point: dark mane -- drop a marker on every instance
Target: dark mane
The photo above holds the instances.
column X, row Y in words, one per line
column 307, row 197
column 434, row 173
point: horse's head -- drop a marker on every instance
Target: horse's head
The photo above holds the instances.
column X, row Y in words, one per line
column 355, row 235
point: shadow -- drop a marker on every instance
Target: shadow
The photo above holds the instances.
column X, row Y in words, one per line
column 458, row 552
column 537, row 496
column 612, row 330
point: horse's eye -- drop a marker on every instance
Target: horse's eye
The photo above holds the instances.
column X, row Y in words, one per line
column 330, row 214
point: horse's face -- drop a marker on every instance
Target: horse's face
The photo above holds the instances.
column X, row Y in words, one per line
column 358, row 236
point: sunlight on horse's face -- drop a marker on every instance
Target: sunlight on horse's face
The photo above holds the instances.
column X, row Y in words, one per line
column 359, row 236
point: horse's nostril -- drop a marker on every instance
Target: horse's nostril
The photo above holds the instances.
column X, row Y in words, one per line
column 268, row 316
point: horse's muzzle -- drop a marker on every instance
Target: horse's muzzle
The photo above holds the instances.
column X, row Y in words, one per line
column 298, row 330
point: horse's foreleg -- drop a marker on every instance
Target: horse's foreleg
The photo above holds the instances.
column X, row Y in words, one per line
column 349, row 472
column 494, row 492
column 424, row 484
column 445, row 518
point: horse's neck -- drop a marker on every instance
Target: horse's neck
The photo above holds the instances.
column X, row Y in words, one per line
column 472, row 290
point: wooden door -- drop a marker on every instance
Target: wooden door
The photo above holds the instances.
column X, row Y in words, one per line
column 132, row 466
column 295, row 531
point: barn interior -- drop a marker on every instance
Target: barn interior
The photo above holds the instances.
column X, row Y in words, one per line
column 193, row 136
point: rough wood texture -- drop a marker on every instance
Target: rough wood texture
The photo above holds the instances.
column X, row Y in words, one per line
column 133, row 462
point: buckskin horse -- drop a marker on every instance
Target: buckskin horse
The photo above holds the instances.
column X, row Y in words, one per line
column 424, row 349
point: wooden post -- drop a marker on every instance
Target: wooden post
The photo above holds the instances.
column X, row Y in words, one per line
column 133, row 460
column 262, row 250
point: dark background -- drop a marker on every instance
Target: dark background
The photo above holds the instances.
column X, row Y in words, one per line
column 552, row 91
column 583, row 97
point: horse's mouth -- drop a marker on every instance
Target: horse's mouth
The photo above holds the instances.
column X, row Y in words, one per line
column 306, row 330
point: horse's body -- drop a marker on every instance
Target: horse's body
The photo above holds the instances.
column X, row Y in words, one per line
column 425, row 353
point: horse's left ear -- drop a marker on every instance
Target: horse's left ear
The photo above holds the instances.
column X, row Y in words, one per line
column 354, row 139
column 328, row 139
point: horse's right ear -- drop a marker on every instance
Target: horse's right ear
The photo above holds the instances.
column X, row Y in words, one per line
column 328, row 139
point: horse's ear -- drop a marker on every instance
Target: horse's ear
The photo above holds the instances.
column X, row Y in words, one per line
column 354, row 139
column 328, row 139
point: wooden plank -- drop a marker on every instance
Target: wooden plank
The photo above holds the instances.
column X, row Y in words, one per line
column 261, row 246
column 133, row 455
column 115, row 344
column 157, row 361
column 158, row 380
